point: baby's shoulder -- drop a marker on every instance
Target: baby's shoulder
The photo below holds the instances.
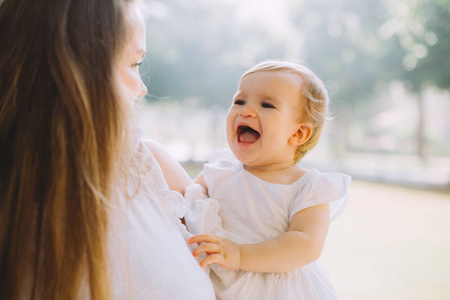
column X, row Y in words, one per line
column 316, row 188
column 224, row 160
column 221, row 168
column 318, row 183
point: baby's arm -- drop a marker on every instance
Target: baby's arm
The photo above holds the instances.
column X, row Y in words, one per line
column 299, row 246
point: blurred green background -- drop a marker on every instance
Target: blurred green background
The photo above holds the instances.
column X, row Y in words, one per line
column 386, row 65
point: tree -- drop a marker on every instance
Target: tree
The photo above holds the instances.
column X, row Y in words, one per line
column 424, row 31
column 199, row 49
column 342, row 44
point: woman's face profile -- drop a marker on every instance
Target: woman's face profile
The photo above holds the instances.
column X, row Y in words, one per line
column 131, row 57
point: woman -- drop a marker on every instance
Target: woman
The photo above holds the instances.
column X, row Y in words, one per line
column 84, row 212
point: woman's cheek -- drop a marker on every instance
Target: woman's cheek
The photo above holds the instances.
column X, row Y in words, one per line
column 133, row 81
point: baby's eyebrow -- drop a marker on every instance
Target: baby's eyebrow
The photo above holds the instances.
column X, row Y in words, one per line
column 270, row 98
column 238, row 94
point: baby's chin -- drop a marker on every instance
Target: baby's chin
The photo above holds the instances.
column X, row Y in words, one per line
column 247, row 159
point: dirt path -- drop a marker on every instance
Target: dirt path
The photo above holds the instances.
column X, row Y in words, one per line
column 390, row 243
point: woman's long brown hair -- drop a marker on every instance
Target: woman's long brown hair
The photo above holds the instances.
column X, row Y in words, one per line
column 61, row 130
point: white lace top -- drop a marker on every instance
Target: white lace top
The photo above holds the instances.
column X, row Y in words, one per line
column 149, row 257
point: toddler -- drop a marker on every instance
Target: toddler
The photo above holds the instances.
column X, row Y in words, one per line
column 258, row 216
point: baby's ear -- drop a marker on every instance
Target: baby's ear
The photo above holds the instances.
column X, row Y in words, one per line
column 302, row 135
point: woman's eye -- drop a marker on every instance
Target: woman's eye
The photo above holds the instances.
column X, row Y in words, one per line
column 136, row 65
column 239, row 102
column 267, row 105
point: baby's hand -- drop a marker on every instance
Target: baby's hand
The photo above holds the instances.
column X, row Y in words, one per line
column 220, row 251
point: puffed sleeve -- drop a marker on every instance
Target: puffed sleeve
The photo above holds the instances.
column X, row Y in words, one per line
column 220, row 167
column 202, row 215
column 320, row 188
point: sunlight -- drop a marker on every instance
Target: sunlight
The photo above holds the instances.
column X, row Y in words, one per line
column 273, row 14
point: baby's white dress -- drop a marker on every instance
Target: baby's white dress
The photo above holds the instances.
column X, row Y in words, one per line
column 246, row 209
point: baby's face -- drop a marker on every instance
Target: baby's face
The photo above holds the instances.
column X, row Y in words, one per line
column 264, row 117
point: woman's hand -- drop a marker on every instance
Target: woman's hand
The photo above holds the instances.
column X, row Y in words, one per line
column 219, row 251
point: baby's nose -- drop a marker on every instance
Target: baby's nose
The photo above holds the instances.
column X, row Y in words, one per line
column 247, row 111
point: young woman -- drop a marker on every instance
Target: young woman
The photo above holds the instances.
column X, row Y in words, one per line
column 83, row 205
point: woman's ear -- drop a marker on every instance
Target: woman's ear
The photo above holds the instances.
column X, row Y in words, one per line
column 302, row 135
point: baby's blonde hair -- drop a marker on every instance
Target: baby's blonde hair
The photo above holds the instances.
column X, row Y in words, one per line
column 312, row 91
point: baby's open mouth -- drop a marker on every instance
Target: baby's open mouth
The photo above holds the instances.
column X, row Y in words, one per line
column 247, row 134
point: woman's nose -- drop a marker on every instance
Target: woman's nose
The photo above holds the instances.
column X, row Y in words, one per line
column 142, row 89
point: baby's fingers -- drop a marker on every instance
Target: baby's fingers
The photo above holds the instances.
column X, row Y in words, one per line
column 212, row 259
column 207, row 238
column 208, row 248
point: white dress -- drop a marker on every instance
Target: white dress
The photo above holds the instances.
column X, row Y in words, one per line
column 246, row 209
column 148, row 255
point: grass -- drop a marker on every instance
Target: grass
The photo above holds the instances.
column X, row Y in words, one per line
column 390, row 243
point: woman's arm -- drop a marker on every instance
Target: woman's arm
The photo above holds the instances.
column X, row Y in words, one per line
column 174, row 174
column 299, row 246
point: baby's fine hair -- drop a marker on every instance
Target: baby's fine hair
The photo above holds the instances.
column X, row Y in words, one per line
column 312, row 90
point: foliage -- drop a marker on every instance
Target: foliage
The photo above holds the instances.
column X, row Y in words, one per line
column 341, row 43
column 360, row 48
column 425, row 36
column 197, row 50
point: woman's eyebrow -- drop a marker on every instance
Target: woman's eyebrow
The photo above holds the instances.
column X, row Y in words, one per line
column 141, row 51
